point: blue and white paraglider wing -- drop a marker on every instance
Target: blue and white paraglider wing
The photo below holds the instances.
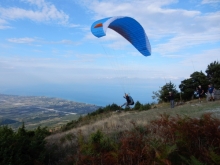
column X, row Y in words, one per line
column 128, row 27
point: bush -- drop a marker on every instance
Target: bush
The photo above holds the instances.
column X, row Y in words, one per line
column 141, row 107
column 137, row 105
column 168, row 140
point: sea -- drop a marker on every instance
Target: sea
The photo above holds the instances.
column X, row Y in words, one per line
column 96, row 94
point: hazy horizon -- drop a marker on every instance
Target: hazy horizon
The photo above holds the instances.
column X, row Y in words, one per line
column 98, row 94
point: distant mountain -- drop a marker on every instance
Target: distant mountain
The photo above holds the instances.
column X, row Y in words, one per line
column 40, row 110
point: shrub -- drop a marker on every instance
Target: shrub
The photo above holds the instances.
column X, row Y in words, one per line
column 168, row 140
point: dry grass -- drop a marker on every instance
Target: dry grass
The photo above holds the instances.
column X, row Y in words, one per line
column 123, row 121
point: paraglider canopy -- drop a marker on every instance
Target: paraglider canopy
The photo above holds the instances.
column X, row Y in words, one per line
column 128, row 27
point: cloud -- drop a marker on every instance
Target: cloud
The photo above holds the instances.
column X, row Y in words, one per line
column 4, row 24
column 201, row 60
column 210, row 1
column 45, row 12
column 83, row 68
column 39, row 3
column 28, row 40
column 65, row 42
column 25, row 40
column 184, row 42
column 52, row 70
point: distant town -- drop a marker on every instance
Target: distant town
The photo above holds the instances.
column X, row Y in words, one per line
column 36, row 111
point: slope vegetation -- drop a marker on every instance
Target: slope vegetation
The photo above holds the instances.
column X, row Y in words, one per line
column 160, row 135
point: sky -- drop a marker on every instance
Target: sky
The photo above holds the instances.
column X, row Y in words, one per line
column 47, row 47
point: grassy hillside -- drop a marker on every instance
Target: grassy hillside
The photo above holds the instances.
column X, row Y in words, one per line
column 186, row 134
column 114, row 121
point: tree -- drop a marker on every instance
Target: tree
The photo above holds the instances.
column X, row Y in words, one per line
column 163, row 92
column 137, row 105
column 188, row 86
column 23, row 147
column 213, row 74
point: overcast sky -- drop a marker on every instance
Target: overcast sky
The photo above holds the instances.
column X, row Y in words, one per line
column 49, row 42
